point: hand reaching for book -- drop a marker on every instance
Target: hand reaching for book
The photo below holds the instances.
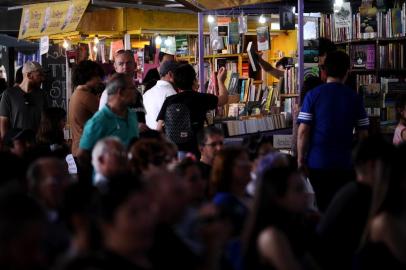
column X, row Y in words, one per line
column 222, row 74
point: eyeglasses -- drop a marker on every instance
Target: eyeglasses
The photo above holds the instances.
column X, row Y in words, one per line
column 214, row 144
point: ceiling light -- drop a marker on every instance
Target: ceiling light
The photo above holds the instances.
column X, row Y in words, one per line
column 262, row 19
column 65, row 44
column 210, row 19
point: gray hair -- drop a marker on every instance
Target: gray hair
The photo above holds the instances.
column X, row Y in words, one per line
column 103, row 146
column 118, row 81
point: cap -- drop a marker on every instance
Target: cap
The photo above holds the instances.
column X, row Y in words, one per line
column 31, row 66
column 166, row 67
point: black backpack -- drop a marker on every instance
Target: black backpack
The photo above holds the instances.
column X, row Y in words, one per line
column 178, row 126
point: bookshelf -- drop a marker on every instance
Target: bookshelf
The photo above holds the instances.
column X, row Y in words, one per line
column 378, row 60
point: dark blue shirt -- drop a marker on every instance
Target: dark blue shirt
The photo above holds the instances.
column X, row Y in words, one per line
column 333, row 111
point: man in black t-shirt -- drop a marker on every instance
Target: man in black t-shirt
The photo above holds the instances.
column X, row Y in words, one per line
column 21, row 106
column 197, row 103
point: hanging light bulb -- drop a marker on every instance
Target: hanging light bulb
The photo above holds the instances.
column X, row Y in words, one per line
column 210, row 19
column 158, row 40
column 262, row 19
column 65, row 44
column 96, row 40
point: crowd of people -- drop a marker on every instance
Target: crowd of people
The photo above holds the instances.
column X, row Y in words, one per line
column 144, row 184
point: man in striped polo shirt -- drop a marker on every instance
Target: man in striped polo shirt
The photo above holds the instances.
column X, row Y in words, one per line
column 327, row 120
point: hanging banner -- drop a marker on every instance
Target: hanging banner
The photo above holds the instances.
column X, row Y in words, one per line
column 51, row 18
column 44, row 45
column 343, row 16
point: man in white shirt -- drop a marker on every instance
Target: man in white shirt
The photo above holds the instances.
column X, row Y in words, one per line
column 155, row 97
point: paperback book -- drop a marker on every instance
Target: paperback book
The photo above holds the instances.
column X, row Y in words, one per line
column 263, row 38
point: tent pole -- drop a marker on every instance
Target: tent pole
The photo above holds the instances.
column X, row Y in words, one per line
column 301, row 44
column 201, row 52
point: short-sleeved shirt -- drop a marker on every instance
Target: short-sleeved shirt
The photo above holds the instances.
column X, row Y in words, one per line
column 153, row 100
column 332, row 110
column 137, row 107
column 82, row 106
column 198, row 104
column 106, row 123
column 23, row 109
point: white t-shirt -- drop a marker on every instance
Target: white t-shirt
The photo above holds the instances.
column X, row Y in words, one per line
column 153, row 100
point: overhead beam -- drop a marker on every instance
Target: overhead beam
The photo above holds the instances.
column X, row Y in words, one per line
column 112, row 4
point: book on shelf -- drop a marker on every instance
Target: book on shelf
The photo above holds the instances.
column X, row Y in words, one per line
column 373, row 99
column 253, row 125
column 365, row 79
column 222, row 30
column 233, row 85
column 368, row 21
column 286, row 18
column 342, row 18
column 263, row 39
column 233, row 34
column 392, row 56
column 182, row 45
column 391, row 23
column 252, row 56
column 363, row 56
column 290, row 85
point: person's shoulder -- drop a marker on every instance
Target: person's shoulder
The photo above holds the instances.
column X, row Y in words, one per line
column 379, row 227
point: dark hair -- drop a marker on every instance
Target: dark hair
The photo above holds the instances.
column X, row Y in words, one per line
column 284, row 61
column 147, row 151
column 117, row 192
column 326, row 46
column 374, row 147
column 85, row 71
column 19, row 75
column 117, row 82
column 49, row 130
column 182, row 166
column 337, row 64
column 222, row 171
column 162, row 55
column 185, row 75
column 206, row 132
column 272, row 184
column 310, row 83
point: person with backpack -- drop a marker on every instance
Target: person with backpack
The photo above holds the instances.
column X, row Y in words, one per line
column 183, row 115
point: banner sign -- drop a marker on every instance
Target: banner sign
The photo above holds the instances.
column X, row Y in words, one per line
column 51, row 18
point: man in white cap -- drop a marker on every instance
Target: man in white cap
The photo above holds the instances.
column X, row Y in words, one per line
column 21, row 106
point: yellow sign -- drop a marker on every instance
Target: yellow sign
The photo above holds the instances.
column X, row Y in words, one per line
column 51, row 18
